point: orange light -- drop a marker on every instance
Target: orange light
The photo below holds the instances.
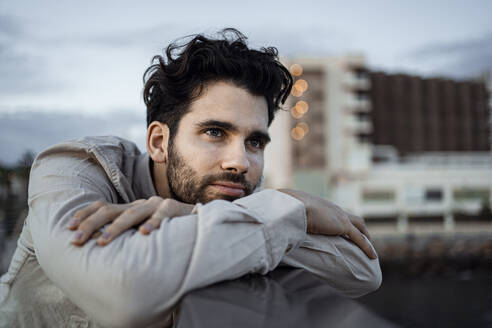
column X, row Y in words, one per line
column 295, row 112
column 302, row 106
column 297, row 133
column 296, row 70
column 304, row 127
column 301, row 85
column 296, row 92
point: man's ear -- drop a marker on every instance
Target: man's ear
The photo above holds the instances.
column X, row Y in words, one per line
column 157, row 141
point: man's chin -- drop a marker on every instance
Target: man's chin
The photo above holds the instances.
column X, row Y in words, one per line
column 208, row 198
column 216, row 195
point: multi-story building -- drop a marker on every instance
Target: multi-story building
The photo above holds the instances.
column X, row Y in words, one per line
column 327, row 131
column 415, row 115
column 402, row 151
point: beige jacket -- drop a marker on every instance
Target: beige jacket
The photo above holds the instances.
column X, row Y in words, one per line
column 136, row 280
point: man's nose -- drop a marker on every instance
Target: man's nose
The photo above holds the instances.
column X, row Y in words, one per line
column 236, row 159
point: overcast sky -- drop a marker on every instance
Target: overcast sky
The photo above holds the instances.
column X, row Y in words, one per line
column 85, row 59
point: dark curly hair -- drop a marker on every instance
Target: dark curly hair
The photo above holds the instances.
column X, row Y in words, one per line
column 173, row 82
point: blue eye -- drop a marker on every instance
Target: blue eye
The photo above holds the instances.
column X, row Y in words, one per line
column 256, row 143
column 214, row 133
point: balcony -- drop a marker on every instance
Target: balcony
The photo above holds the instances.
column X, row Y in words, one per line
column 355, row 104
column 356, row 81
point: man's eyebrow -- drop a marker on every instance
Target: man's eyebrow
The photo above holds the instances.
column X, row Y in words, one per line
column 260, row 135
column 218, row 124
column 233, row 128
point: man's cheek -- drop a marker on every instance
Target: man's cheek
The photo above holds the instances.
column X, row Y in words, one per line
column 256, row 171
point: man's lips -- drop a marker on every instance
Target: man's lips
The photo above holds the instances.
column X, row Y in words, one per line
column 229, row 188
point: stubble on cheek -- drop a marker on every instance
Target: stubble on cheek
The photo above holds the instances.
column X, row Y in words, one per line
column 187, row 186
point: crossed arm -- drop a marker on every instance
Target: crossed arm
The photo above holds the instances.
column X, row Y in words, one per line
column 136, row 279
column 322, row 216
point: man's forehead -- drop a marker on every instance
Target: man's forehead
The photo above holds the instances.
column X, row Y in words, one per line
column 228, row 103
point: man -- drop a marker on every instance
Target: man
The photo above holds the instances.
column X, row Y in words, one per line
column 191, row 197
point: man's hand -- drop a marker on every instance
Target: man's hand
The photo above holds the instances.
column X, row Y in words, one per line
column 148, row 213
column 325, row 218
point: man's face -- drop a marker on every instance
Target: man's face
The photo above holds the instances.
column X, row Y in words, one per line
column 218, row 150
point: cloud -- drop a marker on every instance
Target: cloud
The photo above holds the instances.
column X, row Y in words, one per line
column 123, row 38
column 291, row 40
column 9, row 27
column 459, row 58
column 36, row 130
column 40, row 63
column 305, row 40
column 21, row 71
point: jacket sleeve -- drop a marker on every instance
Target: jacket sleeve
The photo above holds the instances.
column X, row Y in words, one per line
column 339, row 261
column 335, row 258
column 135, row 280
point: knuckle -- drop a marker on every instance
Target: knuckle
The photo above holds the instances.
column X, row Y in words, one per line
column 86, row 226
column 115, row 227
column 155, row 222
column 131, row 212
column 112, row 231
column 168, row 202
column 360, row 219
column 352, row 229
column 163, row 205
column 105, row 210
column 154, row 199
column 355, row 220
column 99, row 203
column 156, row 217
column 79, row 215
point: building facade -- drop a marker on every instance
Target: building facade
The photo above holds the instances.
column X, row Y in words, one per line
column 406, row 153
column 416, row 115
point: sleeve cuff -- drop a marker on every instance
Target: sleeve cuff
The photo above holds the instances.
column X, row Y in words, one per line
column 284, row 218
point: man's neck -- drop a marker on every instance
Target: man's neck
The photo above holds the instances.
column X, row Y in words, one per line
column 159, row 178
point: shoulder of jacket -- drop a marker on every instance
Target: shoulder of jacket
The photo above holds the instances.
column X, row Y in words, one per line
column 100, row 144
column 107, row 150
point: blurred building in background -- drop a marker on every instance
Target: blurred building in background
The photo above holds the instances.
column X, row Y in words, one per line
column 409, row 154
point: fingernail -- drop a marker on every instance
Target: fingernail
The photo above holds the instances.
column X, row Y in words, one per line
column 78, row 236
column 73, row 223
column 105, row 235
column 145, row 229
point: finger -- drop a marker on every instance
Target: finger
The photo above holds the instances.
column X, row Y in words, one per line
column 83, row 213
column 127, row 219
column 360, row 224
column 153, row 223
column 94, row 222
column 155, row 220
column 162, row 212
column 358, row 238
column 136, row 202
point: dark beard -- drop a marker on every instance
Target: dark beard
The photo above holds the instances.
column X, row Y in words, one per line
column 186, row 186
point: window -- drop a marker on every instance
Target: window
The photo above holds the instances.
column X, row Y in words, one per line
column 378, row 196
column 364, row 138
column 362, row 95
column 363, row 116
column 471, row 194
column 433, row 195
column 360, row 73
